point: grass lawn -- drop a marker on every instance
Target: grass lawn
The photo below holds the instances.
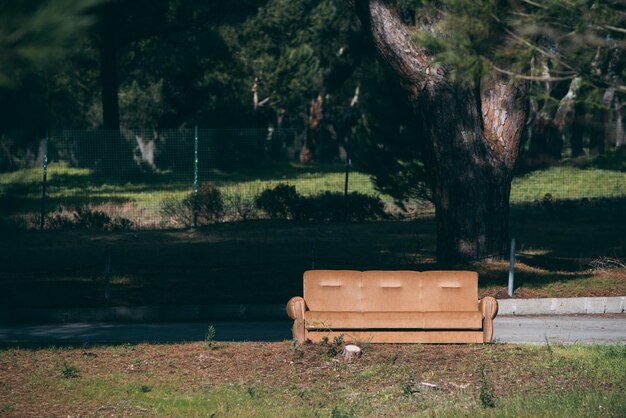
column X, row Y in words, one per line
column 274, row 379
column 140, row 199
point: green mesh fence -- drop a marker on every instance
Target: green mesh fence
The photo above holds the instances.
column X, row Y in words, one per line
column 137, row 179
column 147, row 179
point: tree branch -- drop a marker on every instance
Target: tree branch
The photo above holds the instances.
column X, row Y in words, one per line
column 530, row 77
column 393, row 42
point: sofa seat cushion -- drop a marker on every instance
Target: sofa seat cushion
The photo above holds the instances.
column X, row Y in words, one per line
column 393, row 320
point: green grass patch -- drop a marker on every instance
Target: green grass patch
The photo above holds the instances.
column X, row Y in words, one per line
column 568, row 183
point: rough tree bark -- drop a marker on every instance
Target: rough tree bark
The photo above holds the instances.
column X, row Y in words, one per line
column 471, row 135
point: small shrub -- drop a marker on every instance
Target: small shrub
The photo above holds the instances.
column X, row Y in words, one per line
column 333, row 207
column 61, row 218
column 487, row 396
column 239, row 207
column 120, row 224
column 68, row 371
column 283, row 202
column 86, row 217
column 210, row 203
column 280, row 202
column 175, row 211
column 210, row 207
column 333, row 348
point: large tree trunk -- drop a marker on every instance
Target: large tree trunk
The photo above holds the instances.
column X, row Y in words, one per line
column 471, row 134
column 475, row 136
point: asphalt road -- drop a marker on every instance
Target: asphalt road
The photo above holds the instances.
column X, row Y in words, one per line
column 508, row 329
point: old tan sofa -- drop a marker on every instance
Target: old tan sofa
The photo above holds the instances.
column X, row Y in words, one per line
column 392, row 307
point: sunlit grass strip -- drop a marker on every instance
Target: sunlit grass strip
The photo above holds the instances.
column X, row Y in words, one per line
column 568, row 183
column 75, row 184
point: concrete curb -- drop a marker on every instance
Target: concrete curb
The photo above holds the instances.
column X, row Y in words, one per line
column 564, row 306
column 267, row 312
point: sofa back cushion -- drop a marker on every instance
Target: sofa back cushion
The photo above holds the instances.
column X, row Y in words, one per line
column 390, row 291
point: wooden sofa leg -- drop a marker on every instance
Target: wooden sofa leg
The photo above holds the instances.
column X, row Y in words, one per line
column 488, row 306
column 295, row 310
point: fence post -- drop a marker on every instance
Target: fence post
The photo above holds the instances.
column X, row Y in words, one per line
column 45, row 180
column 195, row 178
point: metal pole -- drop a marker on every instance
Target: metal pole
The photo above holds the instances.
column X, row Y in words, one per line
column 43, row 188
column 107, row 274
column 195, row 179
column 512, row 268
column 345, row 185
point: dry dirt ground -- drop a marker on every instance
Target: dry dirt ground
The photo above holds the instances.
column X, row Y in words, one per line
column 126, row 380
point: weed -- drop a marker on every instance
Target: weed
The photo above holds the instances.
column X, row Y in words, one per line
column 487, row 396
column 252, row 392
column 408, row 387
column 333, row 348
column 615, row 351
column 337, row 413
column 6, row 407
column 137, row 388
column 607, row 263
column 69, row 371
column 548, row 346
column 296, row 349
column 209, row 338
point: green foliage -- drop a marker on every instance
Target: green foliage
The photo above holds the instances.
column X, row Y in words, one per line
column 486, row 396
column 284, row 202
column 474, row 38
column 37, row 34
column 336, row 412
column 69, row 371
column 210, row 203
column 387, row 141
column 279, row 202
column 209, row 337
column 333, row 348
column 408, row 387
column 207, row 207
column 86, row 217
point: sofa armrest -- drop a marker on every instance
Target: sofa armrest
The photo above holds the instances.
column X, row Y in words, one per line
column 488, row 306
column 295, row 309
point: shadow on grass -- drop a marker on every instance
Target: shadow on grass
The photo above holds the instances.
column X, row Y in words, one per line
column 262, row 261
column 24, row 204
